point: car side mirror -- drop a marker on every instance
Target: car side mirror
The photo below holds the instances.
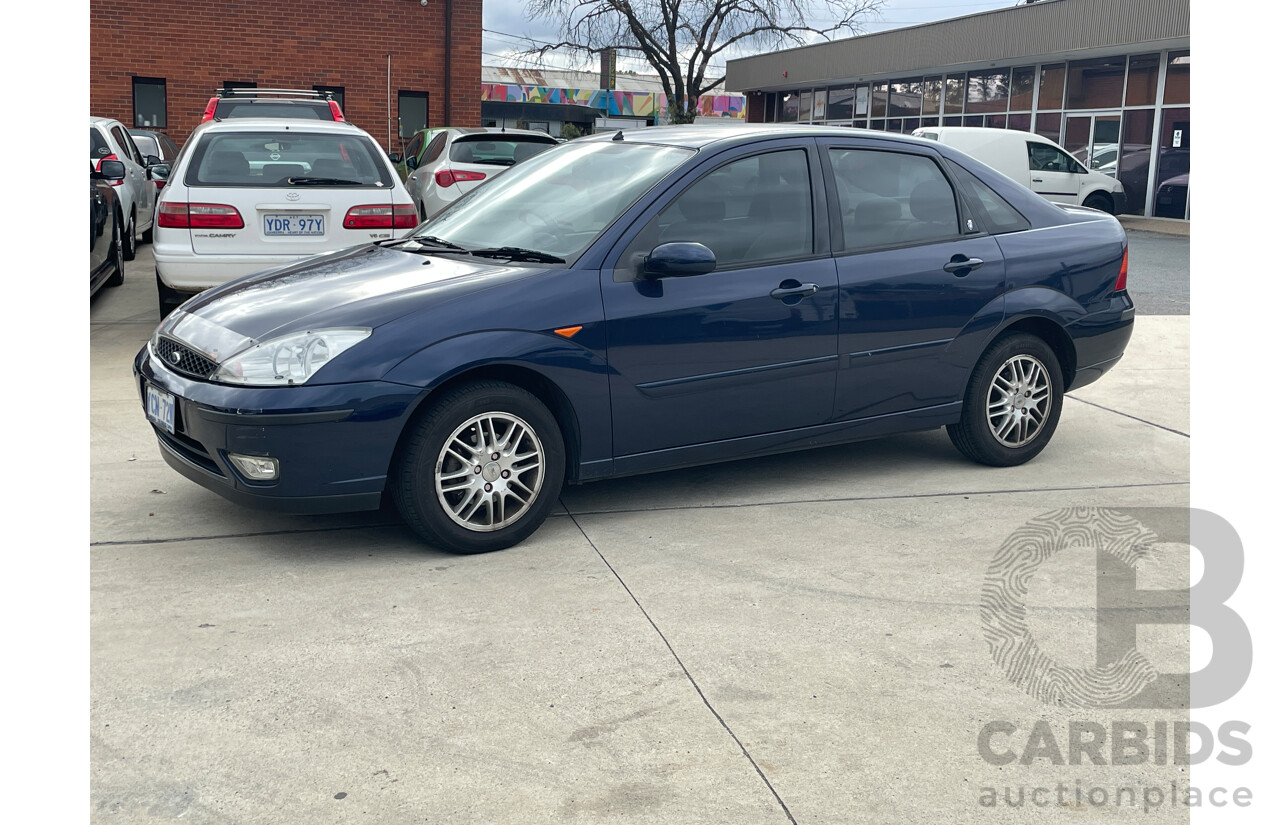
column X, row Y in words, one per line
column 411, row 162
column 394, row 157
column 151, row 160
column 160, row 171
column 678, row 260
column 111, row 169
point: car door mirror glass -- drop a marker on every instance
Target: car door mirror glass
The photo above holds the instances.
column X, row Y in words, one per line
column 159, row 171
column 411, row 162
column 678, row 260
column 152, row 160
column 112, row 169
column 394, row 157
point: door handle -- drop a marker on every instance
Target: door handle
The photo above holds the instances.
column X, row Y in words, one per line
column 960, row 265
column 792, row 291
column 1037, row 180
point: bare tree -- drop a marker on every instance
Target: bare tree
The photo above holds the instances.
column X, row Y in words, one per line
column 681, row 38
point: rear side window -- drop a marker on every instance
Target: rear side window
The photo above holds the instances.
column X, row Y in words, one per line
column 98, row 147
column 994, row 211
column 273, row 159
column 497, row 150
column 892, row 198
column 748, row 212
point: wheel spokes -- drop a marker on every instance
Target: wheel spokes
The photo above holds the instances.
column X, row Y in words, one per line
column 489, row 472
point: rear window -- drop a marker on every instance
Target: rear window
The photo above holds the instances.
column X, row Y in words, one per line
column 274, row 108
column 97, row 144
column 287, row 159
column 498, row 150
column 146, row 145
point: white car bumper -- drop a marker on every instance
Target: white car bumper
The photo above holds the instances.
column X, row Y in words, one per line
column 193, row 273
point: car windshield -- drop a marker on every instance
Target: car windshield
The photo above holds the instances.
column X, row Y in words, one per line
column 286, row 159
column 556, row 202
column 498, row 150
column 146, row 145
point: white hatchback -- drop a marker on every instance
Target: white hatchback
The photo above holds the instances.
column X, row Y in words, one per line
column 252, row 194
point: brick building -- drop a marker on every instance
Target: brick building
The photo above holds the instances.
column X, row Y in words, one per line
column 155, row 63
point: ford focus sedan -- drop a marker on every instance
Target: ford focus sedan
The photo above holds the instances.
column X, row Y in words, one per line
column 636, row 302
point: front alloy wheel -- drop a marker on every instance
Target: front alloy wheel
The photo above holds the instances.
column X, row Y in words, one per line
column 481, row 469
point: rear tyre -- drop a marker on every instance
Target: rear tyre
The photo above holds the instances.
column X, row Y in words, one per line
column 131, row 238
column 170, row 298
column 150, row 233
column 1099, row 200
column 1012, row 403
column 117, row 252
column 452, row 490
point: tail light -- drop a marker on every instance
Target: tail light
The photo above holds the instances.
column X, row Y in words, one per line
column 381, row 216
column 448, row 177
column 111, row 156
column 210, row 110
column 337, row 112
column 200, row 216
column 1122, row 282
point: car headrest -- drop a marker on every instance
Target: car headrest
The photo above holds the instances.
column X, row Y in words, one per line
column 933, row 202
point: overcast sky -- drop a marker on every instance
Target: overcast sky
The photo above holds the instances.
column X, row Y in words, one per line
column 508, row 31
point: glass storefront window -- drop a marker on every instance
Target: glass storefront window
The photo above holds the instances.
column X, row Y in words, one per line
column 789, row 107
column 953, row 121
column 806, row 106
column 905, row 97
column 1020, row 122
column 988, row 91
column 1144, row 71
column 928, row 121
column 1095, row 84
column 1135, row 158
column 820, row 104
column 954, row 103
column 1177, row 78
column 1049, row 124
column 932, row 95
column 862, row 102
column 1173, row 175
column 879, row 99
column 973, row 120
column 771, row 107
column 995, row 121
column 894, row 125
column 840, row 104
column 1051, row 80
column 1022, row 88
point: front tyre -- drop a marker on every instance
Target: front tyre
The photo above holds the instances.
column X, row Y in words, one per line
column 1012, row 403
column 481, row 470
column 131, row 238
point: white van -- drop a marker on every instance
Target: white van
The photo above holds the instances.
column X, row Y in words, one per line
column 1036, row 162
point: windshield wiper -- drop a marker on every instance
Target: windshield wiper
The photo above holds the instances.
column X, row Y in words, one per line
column 306, row 181
column 515, row 253
column 416, row 243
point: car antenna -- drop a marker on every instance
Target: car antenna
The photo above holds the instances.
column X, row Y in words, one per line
column 618, row 136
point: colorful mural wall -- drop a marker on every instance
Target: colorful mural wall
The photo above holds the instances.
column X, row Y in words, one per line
column 621, row 104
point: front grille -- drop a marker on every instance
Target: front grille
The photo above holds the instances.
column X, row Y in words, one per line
column 183, row 359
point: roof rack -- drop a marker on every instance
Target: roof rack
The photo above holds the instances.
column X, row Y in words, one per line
column 256, row 92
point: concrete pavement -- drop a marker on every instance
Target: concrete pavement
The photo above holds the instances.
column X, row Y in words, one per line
column 788, row 639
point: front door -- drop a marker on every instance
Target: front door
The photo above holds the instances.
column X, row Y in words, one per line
column 749, row 348
column 1094, row 140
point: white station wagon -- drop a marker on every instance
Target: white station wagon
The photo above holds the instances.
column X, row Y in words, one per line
column 251, row 194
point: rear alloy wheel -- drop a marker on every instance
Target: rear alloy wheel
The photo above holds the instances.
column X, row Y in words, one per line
column 1012, row 404
column 117, row 252
column 482, row 469
column 131, row 238
column 1100, row 201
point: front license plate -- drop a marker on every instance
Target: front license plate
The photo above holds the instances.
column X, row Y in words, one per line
column 293, row 224
column 160, row 407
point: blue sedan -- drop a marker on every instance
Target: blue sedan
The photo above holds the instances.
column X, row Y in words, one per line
column 642, row 301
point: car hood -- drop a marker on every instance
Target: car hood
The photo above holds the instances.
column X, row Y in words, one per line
column 364, row 286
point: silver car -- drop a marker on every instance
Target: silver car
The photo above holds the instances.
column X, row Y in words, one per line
column 109, row 140
column 457, row 160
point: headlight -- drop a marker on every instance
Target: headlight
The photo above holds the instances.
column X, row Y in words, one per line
column 288, row 360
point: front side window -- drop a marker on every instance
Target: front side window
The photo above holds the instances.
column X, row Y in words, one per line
column 892, row 198
column 435, row 148
column 273, row 159
column 560, row 202
column 1046, row 158
column 149, row 110
column 126, row 143
column 747, row 212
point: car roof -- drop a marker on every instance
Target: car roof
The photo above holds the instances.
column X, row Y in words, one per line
column 697, row 137
column 103, row 121
column 255, row 124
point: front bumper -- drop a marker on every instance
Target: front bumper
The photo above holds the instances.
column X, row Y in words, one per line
column 334, row 442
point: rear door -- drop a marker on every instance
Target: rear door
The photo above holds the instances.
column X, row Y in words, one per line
column 481, row 156
column 294, row 191
column 1055, row 175
column 141, row 189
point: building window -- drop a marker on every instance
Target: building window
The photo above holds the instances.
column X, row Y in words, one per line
column 932, row 95
column 954, row 103
column 840, row 104
column 149, row 103
column 988, row 92
column 412, row 113
column 1049, row 125
column 879, row 99
column 905, row 97
column 1021, row 89
column 1095, row 84
column 1051, row 80
column 806, row 107
column 238, row 84
column 789, row 107
column 1020, row 122
column 338, row 93
column 1177, row 78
